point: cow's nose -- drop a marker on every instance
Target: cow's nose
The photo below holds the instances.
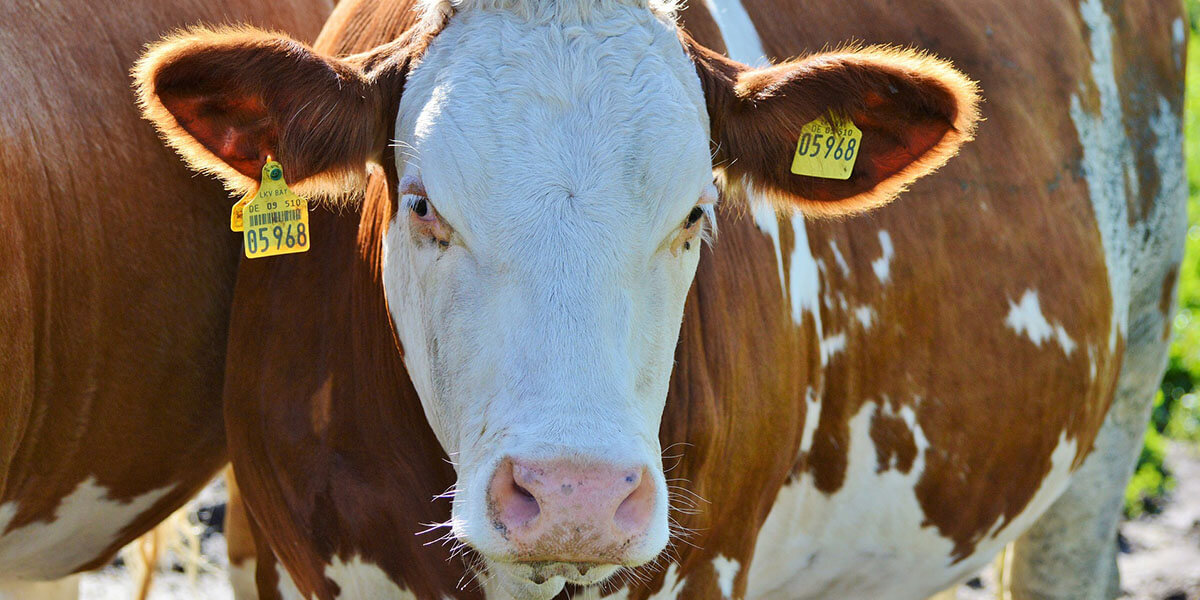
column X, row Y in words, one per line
column 569, row 511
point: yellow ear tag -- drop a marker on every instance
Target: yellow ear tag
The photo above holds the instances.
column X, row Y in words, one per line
column 276, row 220
column 235, row 216
column 827, row 148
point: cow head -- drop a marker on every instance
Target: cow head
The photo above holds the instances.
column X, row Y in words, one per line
column 553, row 182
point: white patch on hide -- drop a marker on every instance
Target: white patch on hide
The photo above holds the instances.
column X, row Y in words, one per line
column 727, row 570
column 1026, row 317
column 867, row 539
column 360, row 579
column 839, row 259
column 86, row 522
column 768, row 222
column 812, row 416
column 741, row 38
column 864, row 314
column 831, row 346
column 1105, row 146
column 883, row 264
column 287, row 588
column 242, row 579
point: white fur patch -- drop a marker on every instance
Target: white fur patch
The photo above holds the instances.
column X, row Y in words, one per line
column 804, row 276
column 1026, row 317
column 242, row 579
column 883, row 264
column 86, row 522
column 727, row 570
column 741, row 38
column 812, row 416
column 672, row 585
column 839, row 259
column 1104, row 147
column 865, row 315
column 360, row 579
column 287, row 588
column 768, row 222
column 831, row 346
column 868, row 540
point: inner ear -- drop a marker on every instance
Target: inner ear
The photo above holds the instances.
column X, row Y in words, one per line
column 238, row 129
column 226, row 99
column 914, row 112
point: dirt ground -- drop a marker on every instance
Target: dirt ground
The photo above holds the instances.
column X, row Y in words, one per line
column 1160, row 558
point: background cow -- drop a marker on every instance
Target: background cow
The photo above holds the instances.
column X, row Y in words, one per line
column 115, row 283
column 869, row 407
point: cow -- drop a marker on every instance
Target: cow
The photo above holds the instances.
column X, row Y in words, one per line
column 115, row 288
column 509, row 306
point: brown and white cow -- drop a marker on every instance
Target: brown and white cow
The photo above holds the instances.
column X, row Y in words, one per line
column 866, row 407
column 115, row 283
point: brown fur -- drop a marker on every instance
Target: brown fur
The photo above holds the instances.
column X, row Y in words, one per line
column 228, row 98
column 1010, row 213
column 116, row 276
column 915, row 111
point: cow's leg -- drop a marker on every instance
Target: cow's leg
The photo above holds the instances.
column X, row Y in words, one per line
column 254, row 572
column 239, row 543
column 66, row 588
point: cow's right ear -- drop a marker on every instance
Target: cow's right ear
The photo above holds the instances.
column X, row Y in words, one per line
column 226, row 99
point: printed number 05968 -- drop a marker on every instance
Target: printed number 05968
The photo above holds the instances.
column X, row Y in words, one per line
column 294, row 235
column 839, row 148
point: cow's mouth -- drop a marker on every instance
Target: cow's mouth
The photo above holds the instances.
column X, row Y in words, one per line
column 544, row 579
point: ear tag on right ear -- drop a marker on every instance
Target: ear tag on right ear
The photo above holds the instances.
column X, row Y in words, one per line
column 828, row 147
column 275, row 221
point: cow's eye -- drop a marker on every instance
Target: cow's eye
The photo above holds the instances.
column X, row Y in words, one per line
column 420, row 208
column 696, row 227
column 424, row 220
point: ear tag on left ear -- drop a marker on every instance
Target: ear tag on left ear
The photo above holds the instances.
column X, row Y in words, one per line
column 275, row 221
column 828, row 147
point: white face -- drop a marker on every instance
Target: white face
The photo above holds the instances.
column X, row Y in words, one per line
column 539, row 299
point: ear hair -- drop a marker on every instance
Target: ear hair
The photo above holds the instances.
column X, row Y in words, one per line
column 915, row 112
column 225, row 98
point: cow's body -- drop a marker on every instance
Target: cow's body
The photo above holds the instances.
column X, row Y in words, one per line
column 115, row 287
column 860, row 408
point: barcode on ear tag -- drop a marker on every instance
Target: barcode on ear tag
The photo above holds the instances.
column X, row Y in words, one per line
column 827, row 148
column 276, row 221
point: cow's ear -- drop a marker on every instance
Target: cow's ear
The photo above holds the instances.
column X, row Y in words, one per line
column 226, row 99
column 914, row 112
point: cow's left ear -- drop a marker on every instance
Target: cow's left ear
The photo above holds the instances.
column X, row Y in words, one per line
column 914, row 112
column 228, row 98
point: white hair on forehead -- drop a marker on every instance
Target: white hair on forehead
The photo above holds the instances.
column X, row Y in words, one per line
column 545, row 11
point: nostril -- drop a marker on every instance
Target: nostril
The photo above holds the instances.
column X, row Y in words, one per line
column 523, row 492
column 514, row 505
column 633, row 515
